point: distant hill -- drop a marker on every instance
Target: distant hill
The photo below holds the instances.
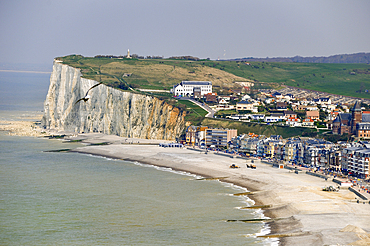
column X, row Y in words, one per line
column 344, row 58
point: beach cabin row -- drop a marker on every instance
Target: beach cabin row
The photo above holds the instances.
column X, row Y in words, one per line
column 171, row 145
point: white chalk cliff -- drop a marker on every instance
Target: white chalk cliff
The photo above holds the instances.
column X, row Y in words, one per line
column 108, row 111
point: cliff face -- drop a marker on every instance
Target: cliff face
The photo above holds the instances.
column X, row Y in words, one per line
column 108, row 111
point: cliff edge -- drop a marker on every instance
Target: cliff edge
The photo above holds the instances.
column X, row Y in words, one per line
column 108, row 111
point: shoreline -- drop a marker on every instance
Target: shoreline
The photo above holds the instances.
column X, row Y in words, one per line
column 301, row 213
column 205, row 174
column 267, row 225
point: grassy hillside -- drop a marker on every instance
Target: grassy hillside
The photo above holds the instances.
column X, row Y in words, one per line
column 149, row 73
column 260, row 129
column 342, row 79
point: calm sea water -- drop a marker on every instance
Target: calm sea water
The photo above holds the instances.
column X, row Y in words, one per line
column 51, row 198
column 23, row 91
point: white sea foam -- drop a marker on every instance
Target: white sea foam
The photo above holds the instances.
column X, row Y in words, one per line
column 264, row 231
column 102, row 157
column 168, row 169
column 269, row 241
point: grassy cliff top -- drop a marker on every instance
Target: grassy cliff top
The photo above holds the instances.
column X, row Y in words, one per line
column 156, row 74
column 342, row 79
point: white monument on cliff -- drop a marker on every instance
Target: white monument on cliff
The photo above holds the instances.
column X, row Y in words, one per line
column 128, row 54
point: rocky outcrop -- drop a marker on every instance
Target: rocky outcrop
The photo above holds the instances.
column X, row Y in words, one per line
column 108, row 111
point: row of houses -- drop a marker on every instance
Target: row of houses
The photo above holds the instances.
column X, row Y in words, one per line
column 302, row 103
column 287, row 117
column 348, row 158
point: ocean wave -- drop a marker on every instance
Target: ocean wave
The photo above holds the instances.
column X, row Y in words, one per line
column 265, row 230
column 168, row 169
column 100, row 156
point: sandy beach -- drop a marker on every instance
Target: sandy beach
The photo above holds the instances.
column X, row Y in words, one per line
column 301, row 213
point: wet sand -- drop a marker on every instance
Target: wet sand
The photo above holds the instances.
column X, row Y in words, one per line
column 21, row 128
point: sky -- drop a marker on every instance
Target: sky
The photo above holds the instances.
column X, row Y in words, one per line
column 37, row 31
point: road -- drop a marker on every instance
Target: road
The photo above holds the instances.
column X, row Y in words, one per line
column 204, row 106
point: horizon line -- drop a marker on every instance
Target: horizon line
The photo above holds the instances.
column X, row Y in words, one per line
column 23, row 71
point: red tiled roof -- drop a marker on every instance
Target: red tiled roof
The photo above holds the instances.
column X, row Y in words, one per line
column 293, row 119
column 308, row 120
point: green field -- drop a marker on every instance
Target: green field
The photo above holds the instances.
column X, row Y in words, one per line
column 342, row 79
column 260, row 129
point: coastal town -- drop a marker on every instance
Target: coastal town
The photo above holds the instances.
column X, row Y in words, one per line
column 309, row 188
column 347, row 161
column 185, row 123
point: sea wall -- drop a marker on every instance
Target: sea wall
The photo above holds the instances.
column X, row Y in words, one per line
column 108, row 111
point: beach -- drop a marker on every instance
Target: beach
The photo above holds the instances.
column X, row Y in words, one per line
column 59, row 198
column 301, row 213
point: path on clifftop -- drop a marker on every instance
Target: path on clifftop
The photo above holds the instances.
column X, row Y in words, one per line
column 204, row 106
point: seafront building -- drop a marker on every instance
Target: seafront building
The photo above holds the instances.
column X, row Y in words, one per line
column 347, row 153
column 219, row 137
column 203, row 136
column 248, row 145
column 358, row 163
column 292, row 151
column 195, row 135
column 271, row 148
column 355, row 159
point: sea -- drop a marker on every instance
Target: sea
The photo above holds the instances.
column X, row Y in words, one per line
column 61, row 198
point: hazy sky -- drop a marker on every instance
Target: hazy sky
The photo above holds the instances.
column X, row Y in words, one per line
column 37, row 31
